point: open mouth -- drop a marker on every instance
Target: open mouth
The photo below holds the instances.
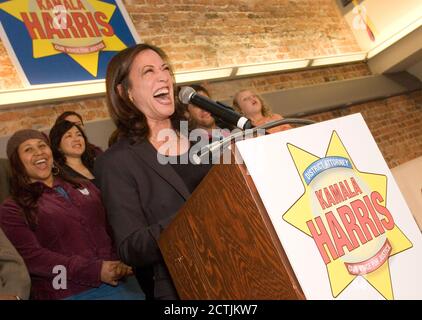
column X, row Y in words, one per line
column 162, row 95
column 41, row 164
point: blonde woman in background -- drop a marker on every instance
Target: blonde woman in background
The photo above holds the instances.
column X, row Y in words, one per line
column 253, row 107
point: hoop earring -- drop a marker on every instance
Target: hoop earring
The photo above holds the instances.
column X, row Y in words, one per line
column 55, row 170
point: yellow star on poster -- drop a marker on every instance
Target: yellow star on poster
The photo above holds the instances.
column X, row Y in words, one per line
column 344, row 211
column 78, row 28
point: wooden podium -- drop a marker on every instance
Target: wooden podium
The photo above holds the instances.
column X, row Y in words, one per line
column 222, row 244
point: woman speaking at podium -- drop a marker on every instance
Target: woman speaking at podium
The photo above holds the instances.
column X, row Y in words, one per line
column 141, row 193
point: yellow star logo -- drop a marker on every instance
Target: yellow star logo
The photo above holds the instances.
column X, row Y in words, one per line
column 344, row 211
column 78, row 28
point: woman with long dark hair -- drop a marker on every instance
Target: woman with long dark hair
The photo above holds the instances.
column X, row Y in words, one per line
column 58, row 226
column 69, row 145
column 76, row 118
column 142, row 194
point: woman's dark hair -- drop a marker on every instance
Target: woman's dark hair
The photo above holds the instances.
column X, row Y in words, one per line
column 129, row 120
column 25, row 193
column 113, row 138
column 56, row 135
column 65, row 114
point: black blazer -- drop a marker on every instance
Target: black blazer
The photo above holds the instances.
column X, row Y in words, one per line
column 141, row 196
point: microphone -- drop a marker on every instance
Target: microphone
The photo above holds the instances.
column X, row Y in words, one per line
column 217, row 145
column 189, row 95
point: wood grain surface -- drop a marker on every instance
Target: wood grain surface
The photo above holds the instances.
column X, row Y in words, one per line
column 222, row 244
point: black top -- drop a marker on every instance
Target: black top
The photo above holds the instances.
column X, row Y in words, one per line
column 142, row 196
column 191, row 173
column 75, row 174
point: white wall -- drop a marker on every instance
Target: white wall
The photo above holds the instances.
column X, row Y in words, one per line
column 409, row 178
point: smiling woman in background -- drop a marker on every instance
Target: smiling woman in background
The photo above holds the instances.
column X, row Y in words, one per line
column 54, row 221
column 76, row 118
column 68, row 143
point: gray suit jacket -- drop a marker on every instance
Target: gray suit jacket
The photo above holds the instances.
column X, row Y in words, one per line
column 4, row 179
column 141, row 197
column 14, row 277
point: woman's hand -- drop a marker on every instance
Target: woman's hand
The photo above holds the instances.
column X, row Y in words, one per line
column 112, row 271
column 122, row 270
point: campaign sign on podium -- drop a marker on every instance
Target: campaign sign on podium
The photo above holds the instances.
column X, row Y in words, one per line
column 337, row 211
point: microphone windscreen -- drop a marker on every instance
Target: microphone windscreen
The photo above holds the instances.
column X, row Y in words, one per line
column 185, row 94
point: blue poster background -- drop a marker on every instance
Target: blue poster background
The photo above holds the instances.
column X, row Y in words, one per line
column 60, row 67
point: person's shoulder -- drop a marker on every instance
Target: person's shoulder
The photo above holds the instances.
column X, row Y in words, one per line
column 276, row 116
column 117, row 150
column 97, row 150
column 119, row 158
column 8, row 208
column 9, row 203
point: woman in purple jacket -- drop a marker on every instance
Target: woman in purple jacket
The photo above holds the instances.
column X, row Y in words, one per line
column 58, row 226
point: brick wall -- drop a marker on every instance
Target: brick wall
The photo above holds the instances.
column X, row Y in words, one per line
column 206, row 34
column 200, row 34
column 43, row 116
column 9, row 78
column 395, row 123
column 269, row 83
column 203, row 33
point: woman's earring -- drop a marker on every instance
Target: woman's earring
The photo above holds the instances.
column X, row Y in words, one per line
column 55, row 170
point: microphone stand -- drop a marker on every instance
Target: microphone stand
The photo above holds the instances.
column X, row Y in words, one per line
column 224, row 143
